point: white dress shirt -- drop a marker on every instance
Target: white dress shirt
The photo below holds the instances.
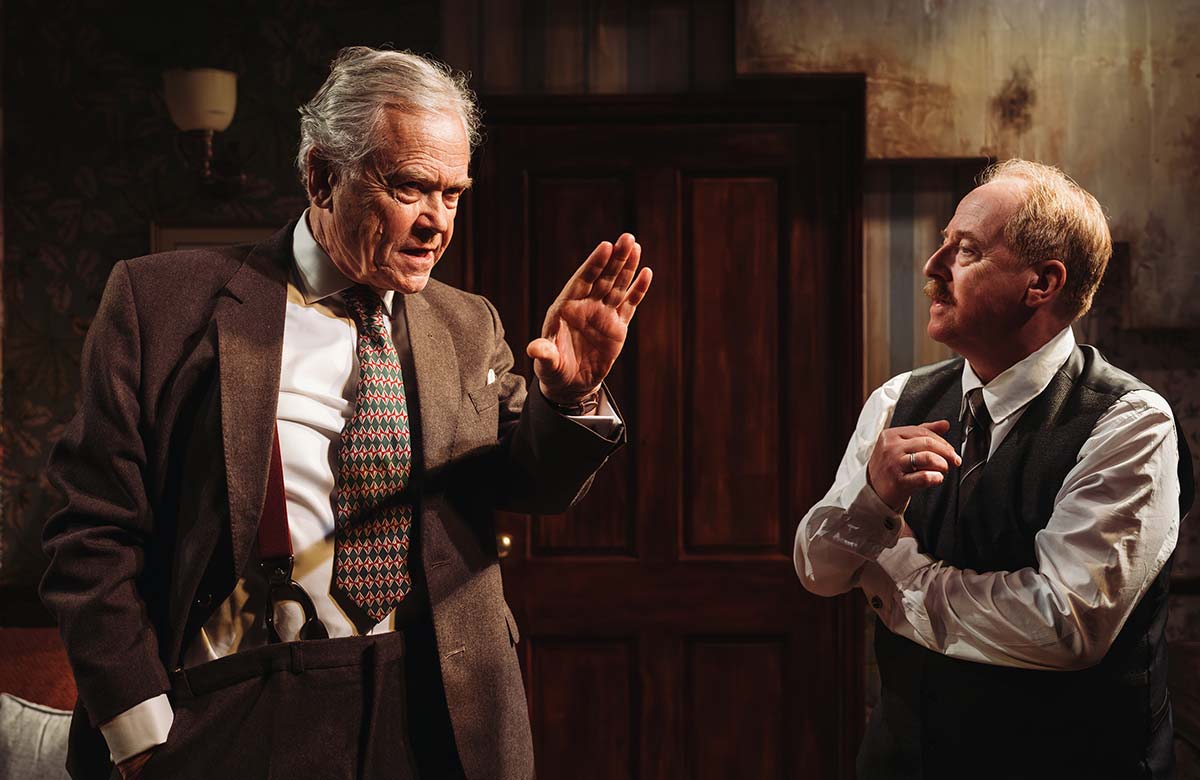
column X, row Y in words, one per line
column 1115, row 523
column 318, row 379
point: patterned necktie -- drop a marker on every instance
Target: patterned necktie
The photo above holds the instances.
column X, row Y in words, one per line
column 977, row 440
column 375, row 462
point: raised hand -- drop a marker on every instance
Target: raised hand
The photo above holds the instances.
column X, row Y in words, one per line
column 585, row 327
column 908, row 459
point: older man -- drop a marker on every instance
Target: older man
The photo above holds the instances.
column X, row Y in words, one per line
column 305, row 439
column 1010, row 514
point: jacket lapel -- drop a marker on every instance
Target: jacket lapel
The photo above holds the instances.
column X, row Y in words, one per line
column 249, row 316
column 438, row 383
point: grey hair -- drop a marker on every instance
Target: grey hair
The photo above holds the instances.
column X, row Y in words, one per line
column 342, row 119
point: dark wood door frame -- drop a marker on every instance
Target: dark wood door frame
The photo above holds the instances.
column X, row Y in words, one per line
column 839, row 102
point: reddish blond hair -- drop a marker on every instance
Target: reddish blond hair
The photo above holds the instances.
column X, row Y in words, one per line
column 1058, row 220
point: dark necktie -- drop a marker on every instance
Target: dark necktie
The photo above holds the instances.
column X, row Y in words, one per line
column 977, row 440
column 374, row 465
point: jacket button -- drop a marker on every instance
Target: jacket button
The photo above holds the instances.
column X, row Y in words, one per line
column 889, row 523
column 204, row 600
column 876, row 602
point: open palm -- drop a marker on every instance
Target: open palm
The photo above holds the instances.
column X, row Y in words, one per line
column 585, row 327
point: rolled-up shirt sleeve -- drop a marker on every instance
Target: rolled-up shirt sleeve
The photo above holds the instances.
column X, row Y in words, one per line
column 851, row 525
column 1114, row 525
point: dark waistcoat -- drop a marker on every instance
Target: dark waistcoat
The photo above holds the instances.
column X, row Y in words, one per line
column 943, row 717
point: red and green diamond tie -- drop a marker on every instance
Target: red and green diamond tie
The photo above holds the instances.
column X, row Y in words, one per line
column 375, row 462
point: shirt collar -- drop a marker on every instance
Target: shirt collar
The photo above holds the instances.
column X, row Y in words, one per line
column 1019, row 384
column 319, row 277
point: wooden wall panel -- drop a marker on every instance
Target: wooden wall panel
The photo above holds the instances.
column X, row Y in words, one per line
column 608, row 63
column 581, row 47
column 586, row 709
column 732, row 441
column 568, row 216
column 502, row 43
column 730, row 734
column 712, row 44
column 660, row 46
column 460, row 34
column 566, row 47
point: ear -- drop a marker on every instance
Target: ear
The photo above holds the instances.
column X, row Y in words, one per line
column 321, row 181
column 1047, row 284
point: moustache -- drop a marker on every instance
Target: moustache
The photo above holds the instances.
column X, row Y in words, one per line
column 938, row 292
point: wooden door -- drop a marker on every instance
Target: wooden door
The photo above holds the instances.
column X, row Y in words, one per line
column 665, row 634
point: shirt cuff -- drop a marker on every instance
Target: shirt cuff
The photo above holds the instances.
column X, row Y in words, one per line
column 604, row 421
column 871, row 525
column 139, row 728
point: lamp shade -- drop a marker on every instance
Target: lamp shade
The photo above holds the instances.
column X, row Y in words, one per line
column 200, row 98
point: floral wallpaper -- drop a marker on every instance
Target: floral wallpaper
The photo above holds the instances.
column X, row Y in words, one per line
column 92, row 159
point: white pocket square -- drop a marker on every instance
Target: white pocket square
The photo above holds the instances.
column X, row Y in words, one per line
column 491, row 376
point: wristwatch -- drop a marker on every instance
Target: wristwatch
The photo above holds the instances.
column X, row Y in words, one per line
column 588, row 404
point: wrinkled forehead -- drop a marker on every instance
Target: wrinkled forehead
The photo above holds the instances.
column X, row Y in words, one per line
column 434, row 137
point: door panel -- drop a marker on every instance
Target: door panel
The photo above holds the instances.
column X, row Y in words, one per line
column 587, row 705
column 665, row 632
column 731, row 734
column 731, row 385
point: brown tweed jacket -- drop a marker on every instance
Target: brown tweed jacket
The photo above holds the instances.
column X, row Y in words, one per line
column 165, row 467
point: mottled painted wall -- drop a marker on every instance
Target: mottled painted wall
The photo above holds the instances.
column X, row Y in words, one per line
column 1109, row 90
column 91, row 160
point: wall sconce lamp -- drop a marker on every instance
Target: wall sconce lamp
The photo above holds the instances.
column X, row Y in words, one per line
column 201, row 102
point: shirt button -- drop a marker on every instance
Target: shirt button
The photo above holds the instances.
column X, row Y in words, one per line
column 889, row 523
column 876, row 602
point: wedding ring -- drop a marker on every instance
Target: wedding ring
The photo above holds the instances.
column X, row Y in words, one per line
column 912, row 463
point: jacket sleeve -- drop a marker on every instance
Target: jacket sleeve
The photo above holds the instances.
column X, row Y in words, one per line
column 97, row 541
column 549, row 459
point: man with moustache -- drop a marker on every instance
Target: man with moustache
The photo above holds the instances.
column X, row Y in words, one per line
column 306, row 439
column 1010, row 514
